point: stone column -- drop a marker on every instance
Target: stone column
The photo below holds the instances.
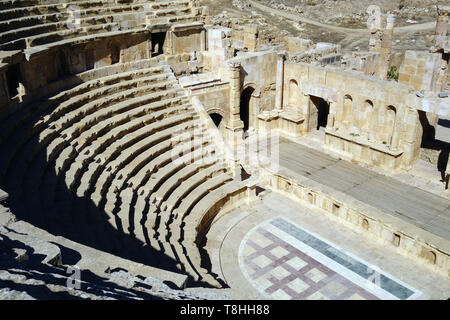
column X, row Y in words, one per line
column 441, row 26
column 234, row 77
column 375, row 36
column 439, row 44
column 280, row 81
column 386, row 47
column 233, row 128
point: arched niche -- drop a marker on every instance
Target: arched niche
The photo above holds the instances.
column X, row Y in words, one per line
column 293, row 93
column 389, row 126
column 366, row 115
column 347, row 110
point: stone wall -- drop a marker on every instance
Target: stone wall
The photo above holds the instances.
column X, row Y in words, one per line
column 405, row 238
column 371, row 120
column 420, row 70
column 45, row 72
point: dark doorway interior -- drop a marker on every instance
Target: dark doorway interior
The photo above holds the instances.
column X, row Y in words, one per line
column 430, row 142
column 429, row 131
column 115, row 54
column 216, row 118
column 323, row 109
column 245, row 107
column 90, row 59
column 158, row 40
column 13, row 79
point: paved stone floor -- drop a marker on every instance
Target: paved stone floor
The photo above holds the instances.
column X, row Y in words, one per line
column 280, row 249
column 419, row 207
column 288, row 262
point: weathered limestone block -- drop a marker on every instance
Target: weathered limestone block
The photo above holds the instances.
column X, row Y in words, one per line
column 420, row 70
column 251, row 38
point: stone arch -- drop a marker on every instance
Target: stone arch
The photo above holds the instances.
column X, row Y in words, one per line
column 256, row 89
column 219, row 111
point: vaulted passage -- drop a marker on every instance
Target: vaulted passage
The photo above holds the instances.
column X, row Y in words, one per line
column 216, row 118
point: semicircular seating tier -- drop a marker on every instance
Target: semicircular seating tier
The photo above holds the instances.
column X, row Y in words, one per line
column 126, row 139
column 27, row 24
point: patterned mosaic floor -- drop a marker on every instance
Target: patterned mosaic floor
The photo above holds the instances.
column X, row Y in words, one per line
column 284, row 261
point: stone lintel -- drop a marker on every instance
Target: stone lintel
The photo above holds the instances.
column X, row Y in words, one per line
column 188, row 27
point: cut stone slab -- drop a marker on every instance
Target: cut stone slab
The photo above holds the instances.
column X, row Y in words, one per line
column 3, row 195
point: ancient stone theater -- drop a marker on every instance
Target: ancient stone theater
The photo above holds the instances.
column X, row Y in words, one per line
column 148, row 150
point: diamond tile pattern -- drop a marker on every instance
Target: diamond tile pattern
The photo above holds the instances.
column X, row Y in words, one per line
column 284, row 272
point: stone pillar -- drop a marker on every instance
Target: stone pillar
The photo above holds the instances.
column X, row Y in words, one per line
column 280, row 80
column 440, row 37
column 375, row 36
column 332, row 121
column 386, row 47
column 251, row 38
column 203, row 40
column 234, row 77
column 233, row 128
column 441, row 27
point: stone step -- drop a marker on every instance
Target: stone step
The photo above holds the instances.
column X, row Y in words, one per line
column 96, row 111
column 203, row 209
column 85, row 160
column 153, row 134
column 61, row 139
column 70, row 99
column 158, row 162
column 189, row 185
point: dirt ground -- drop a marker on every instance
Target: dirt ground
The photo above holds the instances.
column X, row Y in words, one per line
column 346, row 13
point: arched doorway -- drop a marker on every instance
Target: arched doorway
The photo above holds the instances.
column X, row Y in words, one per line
column 245, row 107
column 216, row 118
column 321, row 108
